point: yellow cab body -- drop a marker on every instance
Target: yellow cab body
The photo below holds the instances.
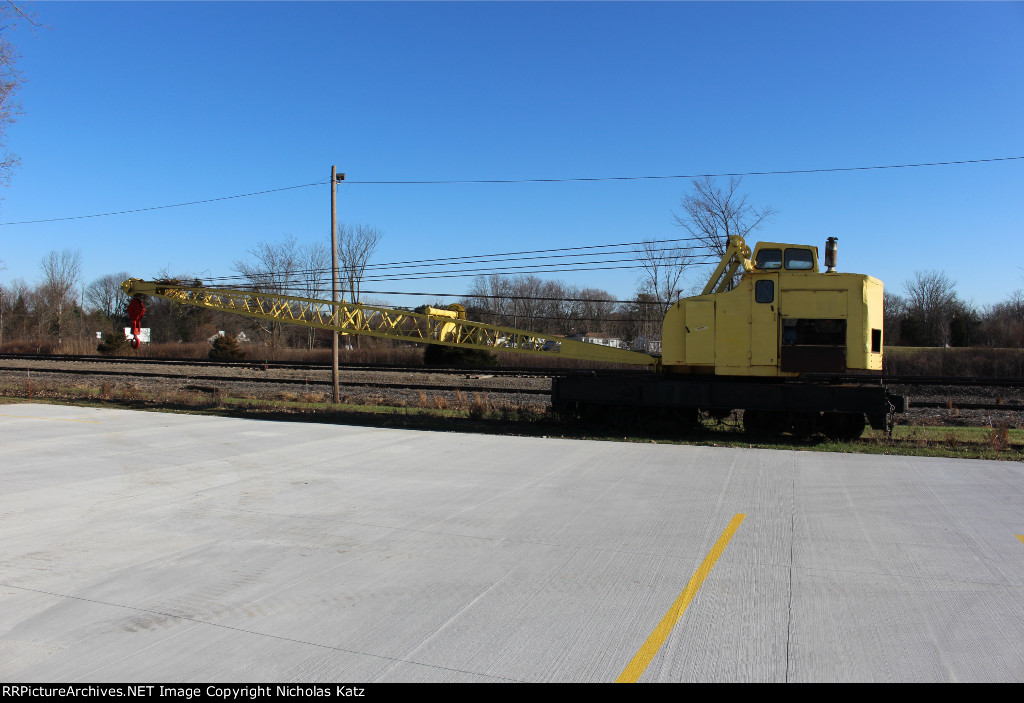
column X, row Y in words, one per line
column 783, row 318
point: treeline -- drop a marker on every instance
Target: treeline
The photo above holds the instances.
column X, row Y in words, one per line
column 59, row 313
column 930, row 313
column 554, row 307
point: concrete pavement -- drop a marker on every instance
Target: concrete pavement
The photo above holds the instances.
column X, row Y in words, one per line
column 143, row 546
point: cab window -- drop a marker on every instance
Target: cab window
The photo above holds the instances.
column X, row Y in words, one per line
column 799, row 259
column 769, row 259
column 764, row 291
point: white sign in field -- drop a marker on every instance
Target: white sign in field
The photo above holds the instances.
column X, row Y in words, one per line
column 143, row 334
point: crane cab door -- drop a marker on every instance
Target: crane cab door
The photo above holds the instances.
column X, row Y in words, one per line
column 764, row 320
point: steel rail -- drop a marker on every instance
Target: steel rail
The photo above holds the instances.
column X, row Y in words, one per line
column 519, row 371
column 190, row 378
column 539, row 372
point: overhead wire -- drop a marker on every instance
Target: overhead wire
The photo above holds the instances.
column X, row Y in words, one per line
column 492, row 257
column 560, row 267
column 470, row 296
column 693, row 175
column 162, row 207
column 385, row 271
column 520, row 180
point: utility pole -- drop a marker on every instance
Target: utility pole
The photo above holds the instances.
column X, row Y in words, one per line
column 335, row 177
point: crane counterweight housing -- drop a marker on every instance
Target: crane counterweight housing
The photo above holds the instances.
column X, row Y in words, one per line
column 770, row 335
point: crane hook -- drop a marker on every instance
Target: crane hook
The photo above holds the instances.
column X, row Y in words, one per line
column 136, row 309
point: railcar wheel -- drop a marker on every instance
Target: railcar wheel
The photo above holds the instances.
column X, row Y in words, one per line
column 683, row 420
column 804, row 425
column 759, row 422
column 843, row 427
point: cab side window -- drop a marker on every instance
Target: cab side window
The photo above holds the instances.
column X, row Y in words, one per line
column 764, row 291
column 799, row 260
column 769, row 259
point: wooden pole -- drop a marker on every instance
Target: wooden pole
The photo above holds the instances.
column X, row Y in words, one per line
column 334, row 281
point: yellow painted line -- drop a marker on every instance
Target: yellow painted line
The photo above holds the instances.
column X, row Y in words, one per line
column 1020, row 537
column 635, row 669
column 57, row 419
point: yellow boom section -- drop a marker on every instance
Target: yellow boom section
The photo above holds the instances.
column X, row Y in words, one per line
column 737, row 256
column 435, row 327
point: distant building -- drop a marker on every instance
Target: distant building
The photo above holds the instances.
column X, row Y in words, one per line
column 591, row 338
column 241, row 337
column 144, row 336
column 651, row 346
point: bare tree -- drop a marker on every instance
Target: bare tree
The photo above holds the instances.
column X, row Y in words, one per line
column 60, row 276
column 930, row 302
column 528, row 302
column 272, row 268
column 490, row 298
column 1004, row 322
column 21, row 303
column 11, row 79
column 106, row 296
column 894, row 311
column 356, row 244
column 3, row 301
column 597, row 310
column 642, row 323
column 315, row 281
column 315, row 270
column 712, row 214
column 662, row 272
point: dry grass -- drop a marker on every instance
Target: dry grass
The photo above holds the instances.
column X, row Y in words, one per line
column 965, row 361
column 1000, row 437
column 478, row 408
column 30, row 346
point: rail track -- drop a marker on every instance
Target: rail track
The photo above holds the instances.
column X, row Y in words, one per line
column 926, row 392
column 306, row 382
column 516, row 371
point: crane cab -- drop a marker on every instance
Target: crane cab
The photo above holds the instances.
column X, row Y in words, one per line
column 782, row 317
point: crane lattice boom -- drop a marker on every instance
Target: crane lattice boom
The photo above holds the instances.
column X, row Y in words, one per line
column 447, row 327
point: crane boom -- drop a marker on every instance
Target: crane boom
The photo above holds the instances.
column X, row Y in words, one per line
column 446, row 327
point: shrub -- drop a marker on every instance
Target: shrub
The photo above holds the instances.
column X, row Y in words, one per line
column 226, row 348
column 457, row 357
column 113, row 344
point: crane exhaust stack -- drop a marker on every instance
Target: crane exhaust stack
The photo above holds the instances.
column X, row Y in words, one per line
column 831, row 254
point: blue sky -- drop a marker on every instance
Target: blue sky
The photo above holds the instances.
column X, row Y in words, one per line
column 134, row 105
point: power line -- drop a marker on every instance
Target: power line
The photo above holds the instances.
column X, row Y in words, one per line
column 424, row 277
column 380, row 272
column 482, row 296
column 693, row 175
column 162, row 207
column 525, row 180
column 511, row 270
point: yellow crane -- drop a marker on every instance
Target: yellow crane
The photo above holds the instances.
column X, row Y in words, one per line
column 767, row 322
